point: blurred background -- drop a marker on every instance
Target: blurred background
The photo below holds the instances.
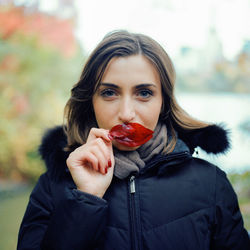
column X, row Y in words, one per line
column 43, row 47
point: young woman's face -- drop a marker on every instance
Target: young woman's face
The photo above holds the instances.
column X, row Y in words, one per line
column 130, row 91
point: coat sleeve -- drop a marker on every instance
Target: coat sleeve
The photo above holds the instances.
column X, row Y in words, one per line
column 229, row 232
column 75, row 221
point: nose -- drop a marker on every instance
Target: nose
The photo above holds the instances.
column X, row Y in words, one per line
column 126, row 111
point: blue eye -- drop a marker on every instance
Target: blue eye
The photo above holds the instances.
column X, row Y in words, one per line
column 145, row 93
column 107, row 93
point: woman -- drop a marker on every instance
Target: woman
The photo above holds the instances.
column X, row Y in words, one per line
column 99, row 193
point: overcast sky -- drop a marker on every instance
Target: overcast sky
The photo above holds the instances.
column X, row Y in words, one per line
column 173, row 23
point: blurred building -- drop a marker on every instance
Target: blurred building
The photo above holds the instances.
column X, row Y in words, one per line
column 200, row 59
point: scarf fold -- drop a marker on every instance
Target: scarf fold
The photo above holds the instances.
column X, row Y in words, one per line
column 127, row 162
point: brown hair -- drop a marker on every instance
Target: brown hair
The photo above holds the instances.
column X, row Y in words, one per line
column 79, row 113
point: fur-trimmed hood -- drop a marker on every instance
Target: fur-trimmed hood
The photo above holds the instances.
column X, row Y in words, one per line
column 212, row 139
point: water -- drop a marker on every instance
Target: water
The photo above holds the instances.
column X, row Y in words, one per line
column 232, row 110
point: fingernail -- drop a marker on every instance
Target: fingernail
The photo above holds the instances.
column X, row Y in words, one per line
column 110, row 137
column 109, row 164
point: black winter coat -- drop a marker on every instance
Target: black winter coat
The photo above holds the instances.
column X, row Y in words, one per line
column 176, row 202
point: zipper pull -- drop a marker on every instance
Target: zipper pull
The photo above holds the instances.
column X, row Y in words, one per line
column 132, row 184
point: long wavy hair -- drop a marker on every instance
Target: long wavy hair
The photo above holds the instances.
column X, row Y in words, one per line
column 79, row 113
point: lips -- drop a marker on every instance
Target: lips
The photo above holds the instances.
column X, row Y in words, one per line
column 131, row 134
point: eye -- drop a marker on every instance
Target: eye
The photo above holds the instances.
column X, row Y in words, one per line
column 108, row 93
column 144, row 93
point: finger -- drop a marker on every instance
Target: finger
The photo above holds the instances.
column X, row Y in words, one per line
column 80, row 158
column 111, row 161
column 99, row 149
column 104, row 147
column 102, row 161
column 92, row 161
column 108, row 153
column 98, row 133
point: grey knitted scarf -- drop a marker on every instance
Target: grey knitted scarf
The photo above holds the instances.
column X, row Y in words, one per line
column 130, row 161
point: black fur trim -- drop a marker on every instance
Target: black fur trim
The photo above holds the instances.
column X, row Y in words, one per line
column 52, row 149
column 212, row 139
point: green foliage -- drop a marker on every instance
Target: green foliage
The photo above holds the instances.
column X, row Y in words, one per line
column 11, row 214
column 241, row 184
column 35, row 82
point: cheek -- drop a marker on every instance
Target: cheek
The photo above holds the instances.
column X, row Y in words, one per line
column 150, row 115
column 104, row 114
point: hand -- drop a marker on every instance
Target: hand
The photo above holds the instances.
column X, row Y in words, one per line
column 92, row 164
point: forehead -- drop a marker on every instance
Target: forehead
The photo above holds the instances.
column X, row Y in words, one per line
column 131, row 68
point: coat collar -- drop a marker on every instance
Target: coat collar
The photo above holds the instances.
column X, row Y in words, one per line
column 212, row 139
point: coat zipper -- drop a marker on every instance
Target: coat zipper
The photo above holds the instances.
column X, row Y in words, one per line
column 134, row 236
column 133, row 214
column 132, row 184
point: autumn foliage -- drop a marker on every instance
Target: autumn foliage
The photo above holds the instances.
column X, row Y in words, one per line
column 50, row 30
column 40, row 60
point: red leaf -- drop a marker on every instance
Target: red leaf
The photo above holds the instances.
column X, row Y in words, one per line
column 131, row 134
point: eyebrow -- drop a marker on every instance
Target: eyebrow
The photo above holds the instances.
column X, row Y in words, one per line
column 139, row 86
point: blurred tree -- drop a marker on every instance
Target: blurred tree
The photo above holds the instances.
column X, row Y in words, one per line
column 220, row 75
column 223, row 76
column 39, row 62
column 234, row 75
